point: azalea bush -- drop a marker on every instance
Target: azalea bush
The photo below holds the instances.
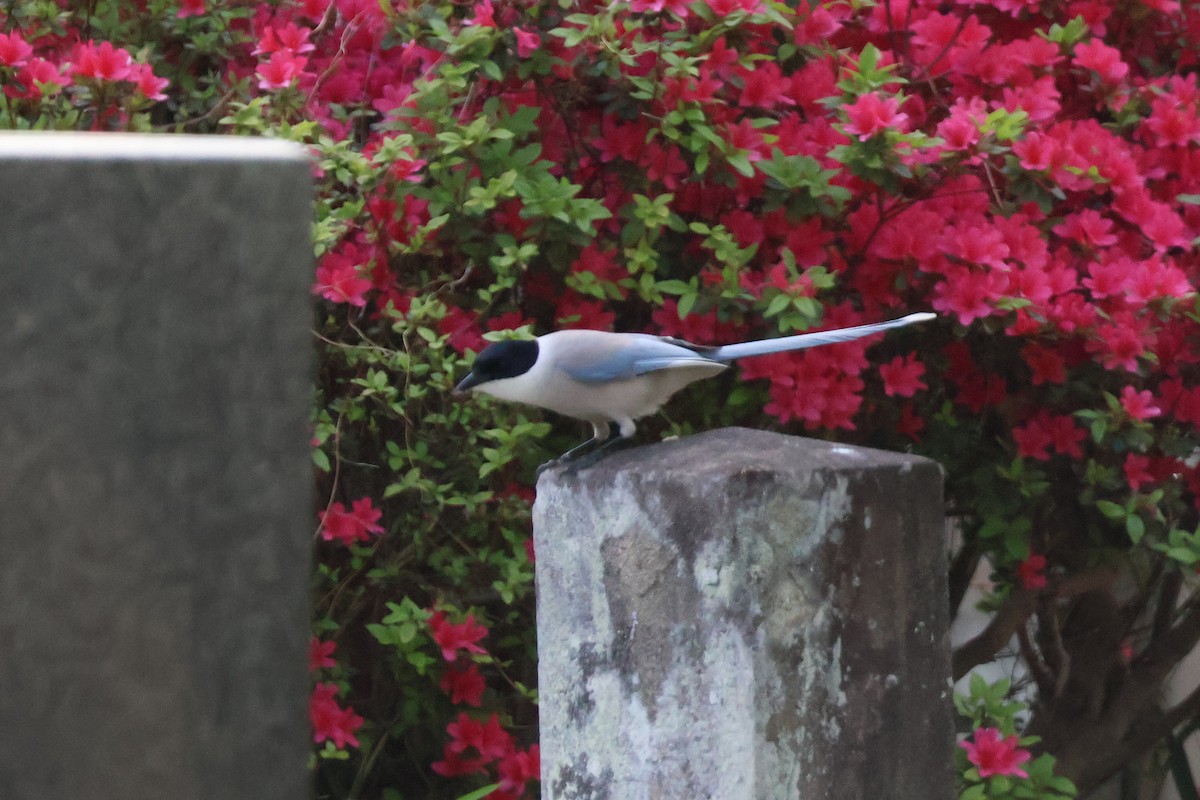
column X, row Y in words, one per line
column 994, row 761
column 716, row 170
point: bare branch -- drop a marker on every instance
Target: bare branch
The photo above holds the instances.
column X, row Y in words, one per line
column 1042, row 675
column 1017, row 608
column 1169, row 648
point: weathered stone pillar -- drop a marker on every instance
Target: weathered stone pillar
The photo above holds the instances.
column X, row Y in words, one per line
column 741, row 615
column 155, row 516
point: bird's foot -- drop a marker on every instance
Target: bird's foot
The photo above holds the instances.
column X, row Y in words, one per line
column 586, row 454
column 588, row 459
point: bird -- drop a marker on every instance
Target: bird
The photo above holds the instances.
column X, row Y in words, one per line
column 612, row 379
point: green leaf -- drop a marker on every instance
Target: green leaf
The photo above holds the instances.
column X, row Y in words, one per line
column 673, row 286
column 976, row 792
column 1135, row 527
column 1110, row 509
column 777, row 305
column 740, row 161
column 686, row 302
column 481, row 792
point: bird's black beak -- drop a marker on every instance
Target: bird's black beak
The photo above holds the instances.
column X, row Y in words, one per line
column 466, row 384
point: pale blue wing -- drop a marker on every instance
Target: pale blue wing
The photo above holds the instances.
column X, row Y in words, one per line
column 615, row 357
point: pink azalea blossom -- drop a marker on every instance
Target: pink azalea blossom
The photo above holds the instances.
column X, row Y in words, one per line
column 14, row 51
column 902, row 376
column 338, row 279
column 463, row 685
column 1137, row 471
column 290, row 37
column 147, row 83
column 36, row 71
column 329, row 720
column 101, row 62
column 484, row 15
column 283, row 68
column 518, row 768
column 1139, row 405
column 488, row 739
column 1103, row 60
column 1032, row 571
column 527, row 42
column 191, row 8
column 451, row 637
column 320, row 654
column 871, row 114
column 356, row 525
column 993, row 754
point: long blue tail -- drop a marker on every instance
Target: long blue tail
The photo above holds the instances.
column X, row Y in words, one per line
column 801, row 341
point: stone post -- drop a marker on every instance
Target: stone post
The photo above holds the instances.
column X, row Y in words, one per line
column 155, row 511
column 741, row 615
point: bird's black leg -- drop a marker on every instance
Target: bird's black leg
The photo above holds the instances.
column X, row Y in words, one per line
column 586, row 460
column 574, row 452
column 577, row 457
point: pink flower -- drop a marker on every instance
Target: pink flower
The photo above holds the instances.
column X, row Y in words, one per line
column 1047, row 365
column 329, row 720
column 452, row 638
column 1170, row 122
column 909, row 423
column 902, row 376
column 1033, row 440
column 575, row 312
column 463, row 685
column 1065, row 436
column 191, row 8
column 678, row 7
column 283, row 68
column 1088, row 228
column 37, row 71
column 1137, row 471
column 101, row 62
column 463, row 330
column 968, row 294
column 147, row 83
column 14, row 51
column 290, row 37
column 518, row 768
column 1032, row 571
column 994, row 755
column 1139, row 405
column 1101, row 59
column 320, row 654
column 724, row 8
column 764, row 87
column 453, row 764
column 486, row 738
column 527, row 42
column 961, row 128
column 352, row 526
column 871, row 114
column 1120, row 342
column 1038, row 152
column 1044, row 432
column 338, row 279
column 408, row 169
column 484, row 15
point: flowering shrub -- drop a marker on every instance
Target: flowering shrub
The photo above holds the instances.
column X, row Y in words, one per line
column 715, row 170
column 998, row 765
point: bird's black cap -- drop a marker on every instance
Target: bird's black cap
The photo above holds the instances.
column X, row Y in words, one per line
column 506, row 359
